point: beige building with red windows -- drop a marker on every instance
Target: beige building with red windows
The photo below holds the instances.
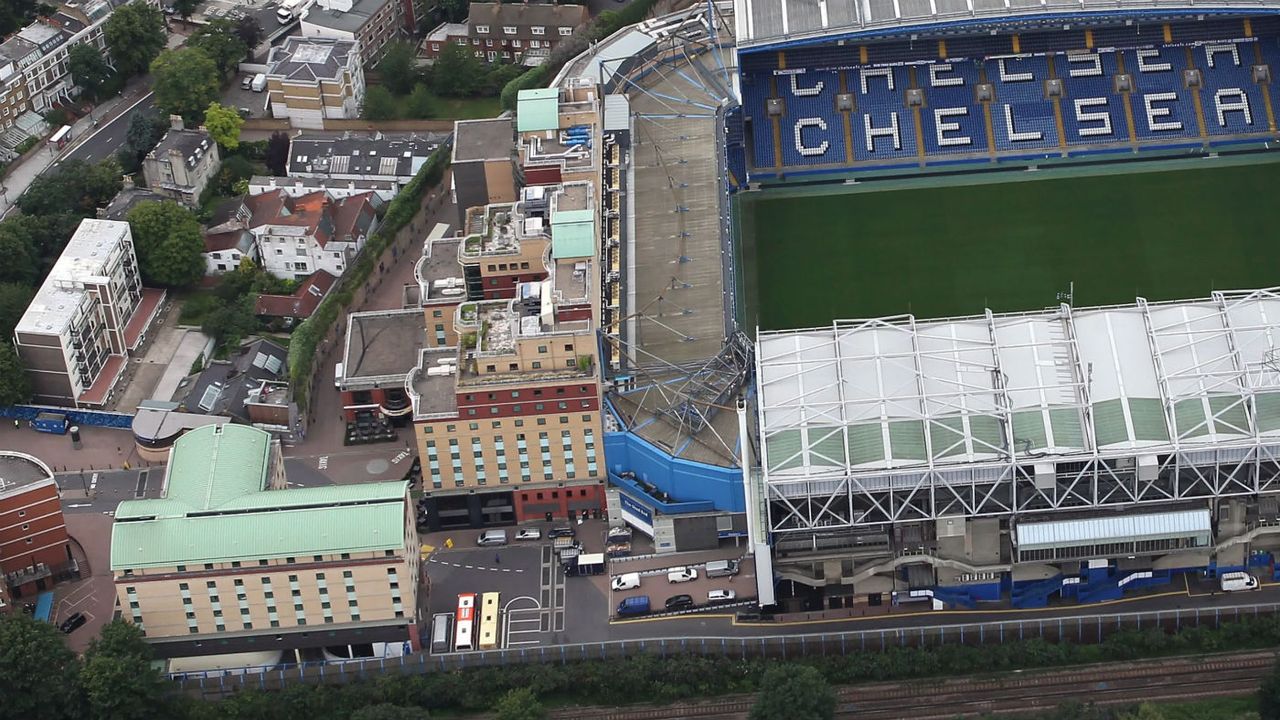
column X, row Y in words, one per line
column 87, row 318
column 230, row 561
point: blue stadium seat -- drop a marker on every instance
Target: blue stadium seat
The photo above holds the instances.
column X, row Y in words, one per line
column 755, row 91
column 1162, row 105
column 883, row 126
column 1092, row 112
column 951, row 121
column 1232, row 101
column 1020, row 101
column 812, row 130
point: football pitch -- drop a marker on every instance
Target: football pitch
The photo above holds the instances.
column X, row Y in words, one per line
column 1178, row 229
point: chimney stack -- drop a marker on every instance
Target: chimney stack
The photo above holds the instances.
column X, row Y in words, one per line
column 175, row 122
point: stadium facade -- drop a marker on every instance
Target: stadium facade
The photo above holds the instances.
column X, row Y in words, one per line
column 1065, row 453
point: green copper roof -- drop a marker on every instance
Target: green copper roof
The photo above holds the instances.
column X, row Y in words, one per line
column 218, row 508
column 538, row 110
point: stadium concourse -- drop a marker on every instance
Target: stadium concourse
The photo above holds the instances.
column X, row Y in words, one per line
column 945, row 98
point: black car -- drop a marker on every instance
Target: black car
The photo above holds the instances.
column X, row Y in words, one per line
column 561, row 531
column 73, row 622
column 679, row 602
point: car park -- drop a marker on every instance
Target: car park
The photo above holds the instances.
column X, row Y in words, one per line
column 679, row 602
column 626, row 581
column 714, row 596
column 528, row 534
column 561, row 531
column 74, row 621
column 681, row 574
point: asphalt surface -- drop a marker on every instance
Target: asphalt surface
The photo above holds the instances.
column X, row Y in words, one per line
column 109, row 137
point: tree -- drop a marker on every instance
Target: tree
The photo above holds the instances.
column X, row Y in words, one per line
column 1144, row 711
column 231, row 323
column 88, row 68
column 185, row 82
column 223, row 124
column 277, row 159
column 135, row 35
column 795, row 692
column 221, row 42
column 145, row 130
column 384, row 711
column 421, row 104
column 36, row 667
column 378, row 104
column 249, row 32
column 118, row 680
column 14, row 299
column 30, row 244
column 75, row 187
column 166, row 237
column 456, row 71
column 1269, row 695
column 185, row 8
column 454, row 10
column 398, row 68
column 519, row 704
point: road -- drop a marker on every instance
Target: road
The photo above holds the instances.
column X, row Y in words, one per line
column 109, row 137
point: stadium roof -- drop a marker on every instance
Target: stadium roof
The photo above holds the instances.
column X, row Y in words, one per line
column 1115, row 529
column 776, row 23
column 873, row 395
column 218, row 507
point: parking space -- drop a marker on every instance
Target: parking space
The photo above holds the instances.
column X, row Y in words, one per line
column 707, row 593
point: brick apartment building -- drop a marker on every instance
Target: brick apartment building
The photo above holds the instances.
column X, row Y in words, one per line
column 34, row 550
column 510, row 32
column 372, row 24
column 229, row 561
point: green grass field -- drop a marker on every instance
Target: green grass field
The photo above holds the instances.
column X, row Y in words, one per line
column 953, row 250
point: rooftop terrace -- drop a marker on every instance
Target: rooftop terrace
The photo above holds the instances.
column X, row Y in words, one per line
column 433, row 382
column 438, row 273
column 498, row 230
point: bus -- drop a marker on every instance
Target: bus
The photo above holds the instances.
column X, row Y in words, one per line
column 463, row 622
column 489, row 603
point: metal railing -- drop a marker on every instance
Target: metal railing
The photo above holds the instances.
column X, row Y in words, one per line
column 1079, row 629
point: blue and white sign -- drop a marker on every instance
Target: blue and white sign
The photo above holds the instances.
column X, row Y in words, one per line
column 636, row 515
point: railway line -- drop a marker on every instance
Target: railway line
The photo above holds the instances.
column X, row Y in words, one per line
column 1169, row 680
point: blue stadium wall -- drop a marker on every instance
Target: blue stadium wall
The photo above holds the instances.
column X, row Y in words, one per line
column 698, row 487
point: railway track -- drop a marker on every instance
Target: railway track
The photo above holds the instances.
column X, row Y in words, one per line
column 1171, row 679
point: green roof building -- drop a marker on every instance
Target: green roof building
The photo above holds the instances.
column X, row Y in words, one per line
column 229, row 557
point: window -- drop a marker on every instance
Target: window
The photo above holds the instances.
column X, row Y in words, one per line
column 538, row 30
column 568, row 347
column 509, row 29
column 482, row 29
column 569, row 363
column 542, row 349
column 537, row 365
column 566, row 31
column 515, row 43
column 513, row 367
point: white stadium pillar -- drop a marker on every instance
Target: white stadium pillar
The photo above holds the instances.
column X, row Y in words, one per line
column 875, row 132
column 942, row 127
column 1155, row 113
column 810, row 150
column 1012, row 132
column 1082, row 117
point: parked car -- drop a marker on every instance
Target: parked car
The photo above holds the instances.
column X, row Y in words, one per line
column 561, row 531
column 679, row 602
column 492, row 537
column 528, row 534
column 637, row 605
column 74, row 621
column 626, row 581
column 721, row 596
column 1233, row 581
column 681, row 574
column 722, row 568
column 246, row 82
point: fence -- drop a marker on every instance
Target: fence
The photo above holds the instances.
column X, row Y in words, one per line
column 89, row 418
column 1083, row 629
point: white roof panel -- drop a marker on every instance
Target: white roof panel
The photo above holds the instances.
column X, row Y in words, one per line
column 1103, row 530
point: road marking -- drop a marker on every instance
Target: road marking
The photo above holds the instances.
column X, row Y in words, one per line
column 323, row 462
column 80, row 505
column 93, row 482
column 403, row 454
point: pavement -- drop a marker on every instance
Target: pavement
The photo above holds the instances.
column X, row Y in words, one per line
column 94, row 594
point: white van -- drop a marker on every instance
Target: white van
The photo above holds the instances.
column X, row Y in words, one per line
column 337, row 376
column 1233, row 581
column 681, row 574
column 627, row 581
column 492, row 537
column 722, row 568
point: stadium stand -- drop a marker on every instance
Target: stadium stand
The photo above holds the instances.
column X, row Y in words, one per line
column 982, row 98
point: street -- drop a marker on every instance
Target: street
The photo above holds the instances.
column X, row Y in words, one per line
column 107, row 138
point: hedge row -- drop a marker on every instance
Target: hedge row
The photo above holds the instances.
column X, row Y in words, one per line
column 605, row 24
column 306, row 337
column 650, row 678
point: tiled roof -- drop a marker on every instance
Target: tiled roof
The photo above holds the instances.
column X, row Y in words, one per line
column 302, row 303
